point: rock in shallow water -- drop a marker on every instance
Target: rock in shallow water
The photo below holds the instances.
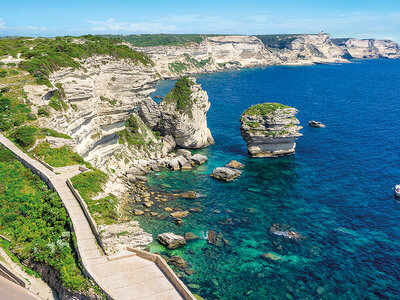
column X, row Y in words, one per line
column 270, row 129
column 225, row 174
column 235, row 165
column 199, row 159
column 171, row 240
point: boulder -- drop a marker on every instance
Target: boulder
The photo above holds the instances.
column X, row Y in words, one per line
column 168, row 144
column 136, row 171
column 235, row 165
column 138, row 212
column 199, row 159
column 270, row 129
column 187, row 166
column 225, row 174
column 171, row 240
column 185, row 153
column 174, row 164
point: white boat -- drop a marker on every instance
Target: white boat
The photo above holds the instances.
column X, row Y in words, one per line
column 397, row 190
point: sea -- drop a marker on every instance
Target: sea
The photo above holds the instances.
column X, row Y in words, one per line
column 336, row 193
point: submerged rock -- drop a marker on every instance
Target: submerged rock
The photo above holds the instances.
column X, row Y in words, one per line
column 270, row 129
column 225, row 174
column 271, row 256
column 171, row 240
column 191, row 236
column 180, row 214
column 285, row 230
column 235, row 165
column 178, row 261
column 188, row 194
column 183, row 114
column 216, row 238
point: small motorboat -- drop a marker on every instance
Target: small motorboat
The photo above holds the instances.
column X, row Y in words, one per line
column 316, row 124
column 397, row 190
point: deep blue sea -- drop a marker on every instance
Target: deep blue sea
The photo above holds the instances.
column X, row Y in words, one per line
column 336, row 191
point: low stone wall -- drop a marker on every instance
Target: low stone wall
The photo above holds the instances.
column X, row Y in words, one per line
column 9, row 274
column 91, row 221
column 162, row 264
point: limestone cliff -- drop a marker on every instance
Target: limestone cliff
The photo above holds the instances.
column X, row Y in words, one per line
column 217, row 53
column 270, row 129
column 98, row 99
column 369, row 48
column 184, row 115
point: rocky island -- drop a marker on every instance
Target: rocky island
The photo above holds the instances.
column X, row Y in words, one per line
column 270, row 129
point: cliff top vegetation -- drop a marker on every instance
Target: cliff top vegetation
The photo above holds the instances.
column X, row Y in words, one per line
column 263, row 109
column 45, row 55
column 181, row 95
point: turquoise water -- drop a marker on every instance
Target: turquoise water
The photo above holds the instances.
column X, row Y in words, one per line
column 336, row 191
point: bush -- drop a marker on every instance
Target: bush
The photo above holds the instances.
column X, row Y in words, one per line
column 5, row 104
column 181, row 95
column 24, row 136
column 44, row 111
column 3, row 73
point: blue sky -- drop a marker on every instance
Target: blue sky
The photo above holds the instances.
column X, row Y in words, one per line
column 341, row 18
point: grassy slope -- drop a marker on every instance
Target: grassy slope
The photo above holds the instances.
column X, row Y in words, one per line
column 33, row 217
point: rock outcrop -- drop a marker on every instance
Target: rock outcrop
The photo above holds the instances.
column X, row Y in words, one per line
column 270, row 129
column 184, row 115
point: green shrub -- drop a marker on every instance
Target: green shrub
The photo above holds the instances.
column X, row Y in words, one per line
column 181, row 95
column 44, row 111
column 13, row 72
column 5, row 103
column 3, row 73
column 24, row 136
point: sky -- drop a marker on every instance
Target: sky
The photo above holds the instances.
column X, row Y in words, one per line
column 340, row 18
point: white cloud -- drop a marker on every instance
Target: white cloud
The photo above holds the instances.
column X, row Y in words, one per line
column 2, row 24
column 111, row 26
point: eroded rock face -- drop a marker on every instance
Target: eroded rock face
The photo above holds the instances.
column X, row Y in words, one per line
column 184, row 115
column 270, row 129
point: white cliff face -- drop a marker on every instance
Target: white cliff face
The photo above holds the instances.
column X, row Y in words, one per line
column 371, row 48
column 227, row 52
column 188, row 124
column 309, row 49
column 99, row 99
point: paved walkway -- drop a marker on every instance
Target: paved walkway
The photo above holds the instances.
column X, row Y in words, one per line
column 12, row 291
column 125, row 278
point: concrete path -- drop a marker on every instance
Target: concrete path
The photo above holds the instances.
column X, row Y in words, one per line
column 12, row 291
column 125, row 278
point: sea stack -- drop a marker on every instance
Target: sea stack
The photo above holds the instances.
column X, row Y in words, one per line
column 184, row 114
column 270, row 129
